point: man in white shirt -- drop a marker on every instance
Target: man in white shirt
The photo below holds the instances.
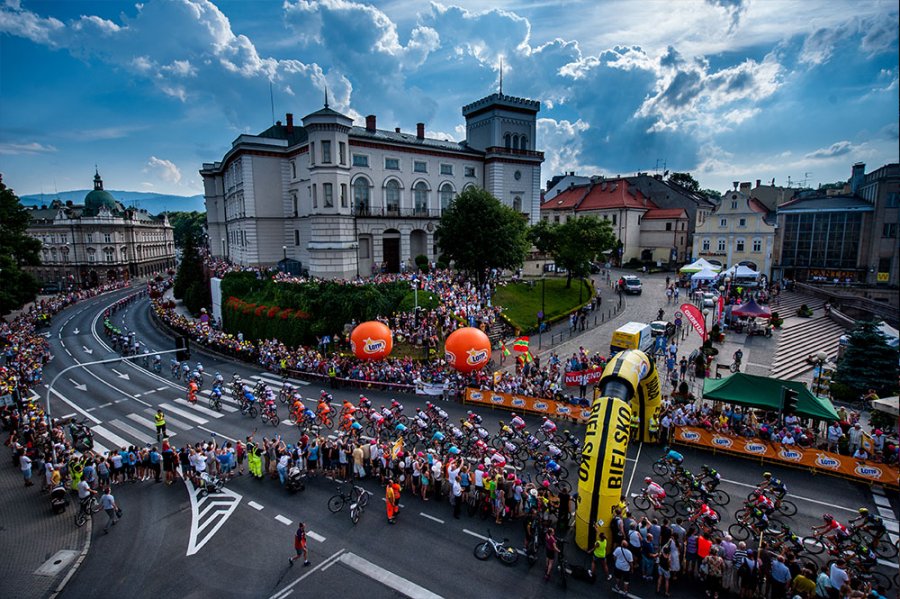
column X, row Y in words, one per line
column 838, row 575
column 834, row 434
column 624, row 560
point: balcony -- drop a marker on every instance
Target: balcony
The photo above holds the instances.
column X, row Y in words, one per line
column 381, row 212
column 513, row 152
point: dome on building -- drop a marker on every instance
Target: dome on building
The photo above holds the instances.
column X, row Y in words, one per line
column 98, row 198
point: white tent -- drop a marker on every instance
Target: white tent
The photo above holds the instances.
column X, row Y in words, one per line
column 699, row 265
column 888, row 405
column 890, row 334
column 704, row 276
column 740, row 271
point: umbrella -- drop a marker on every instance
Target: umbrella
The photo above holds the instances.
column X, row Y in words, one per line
column 751, row 310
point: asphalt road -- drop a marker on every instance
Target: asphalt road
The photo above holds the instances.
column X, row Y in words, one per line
column 245, row 535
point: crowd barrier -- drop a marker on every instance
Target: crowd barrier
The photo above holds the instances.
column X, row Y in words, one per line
column 809, row 458
column 531, row 405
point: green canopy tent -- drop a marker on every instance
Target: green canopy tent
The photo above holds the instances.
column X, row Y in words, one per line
column 765, row 393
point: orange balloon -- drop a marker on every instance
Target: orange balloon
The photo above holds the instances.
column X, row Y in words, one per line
column 467, row 349
column 371, row 340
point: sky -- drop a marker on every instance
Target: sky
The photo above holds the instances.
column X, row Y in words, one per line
column 730, row 90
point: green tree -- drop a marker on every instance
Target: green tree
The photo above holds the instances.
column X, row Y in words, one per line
column 578, row 241
column 712, row 194
column 686, row 180
column 543, row 236
column 17, row 249
column 479, row 233
column 868, row 362
column 191, row 284
column 187, row 224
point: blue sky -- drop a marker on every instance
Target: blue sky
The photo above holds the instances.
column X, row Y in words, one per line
column 727, row 89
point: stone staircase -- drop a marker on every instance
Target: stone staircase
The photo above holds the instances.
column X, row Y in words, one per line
column 498, row 331
column 801, row 337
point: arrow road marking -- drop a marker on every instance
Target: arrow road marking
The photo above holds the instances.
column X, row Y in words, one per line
column 77, row 386
column 86, row 350
column 121, row 376
column 76, row 331
column 216, row 510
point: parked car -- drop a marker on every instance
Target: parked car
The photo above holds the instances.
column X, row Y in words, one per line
column 661, row 327
column 632, row 285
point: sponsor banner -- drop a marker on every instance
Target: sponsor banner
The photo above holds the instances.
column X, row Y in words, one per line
column 815, row 459
column 423, row 388
column 695, row 317
column 533, row 405
column 583, row 377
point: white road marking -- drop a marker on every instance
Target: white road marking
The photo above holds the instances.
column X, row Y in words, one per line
column 284, row 520
column 149, row 425
column 161, row 388
column 74, row 406
column 148, row 392
column 100, row 449
column 387, row 578
column 169, row 420
column 182, row 413
column 324, row 564
column 67, row 416
column 881, row 500
column 255, row 505
column 105, row 405
column 114, row 439
column 199, row 408
column 315, row 536
column 430, row 517
column 385, row 500
column 142, row 437
column 796, row 497
column 225, row 503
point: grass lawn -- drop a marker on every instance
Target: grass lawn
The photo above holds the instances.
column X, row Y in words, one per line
column 521, row 302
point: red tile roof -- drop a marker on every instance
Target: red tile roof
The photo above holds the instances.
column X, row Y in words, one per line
column 601, row 195
column 661, row 213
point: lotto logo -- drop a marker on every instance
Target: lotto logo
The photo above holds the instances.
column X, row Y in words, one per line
column 722, row 442
column 790, row 455
column 497, row 399
column 868, row 471
column 690, row 436
column 755, row 448
column 518, row 402
column 825, row 461
column 476, row 396
column 562, row 410
column 541, row 406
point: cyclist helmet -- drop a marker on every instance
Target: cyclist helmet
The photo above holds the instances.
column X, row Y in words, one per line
column 767, row 475
column 827, row 517
column 502, row 424
column 863, row 511
column 648, row 480
column 512, row 414
column 704, row 468
column 666, row 449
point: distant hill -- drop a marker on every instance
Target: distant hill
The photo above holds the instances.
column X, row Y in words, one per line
column 154, row 203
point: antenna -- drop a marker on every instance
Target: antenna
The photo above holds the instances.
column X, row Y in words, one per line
column 272, row 101
column 326, row 93
column 501, row 74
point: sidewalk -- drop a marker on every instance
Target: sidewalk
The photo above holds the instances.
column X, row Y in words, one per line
column 40, row 549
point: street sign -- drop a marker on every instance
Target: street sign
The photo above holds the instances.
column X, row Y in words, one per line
column 540, row 314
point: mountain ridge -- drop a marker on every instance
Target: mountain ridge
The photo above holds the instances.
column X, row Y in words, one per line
column 152, row 202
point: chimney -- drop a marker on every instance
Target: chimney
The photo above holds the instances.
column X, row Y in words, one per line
column 735, row 183
column 370, row 123
column 745, row 187
column 757, row 182
column 420, row 130
column 396, row 129
column 858, row 176
column 290, row 122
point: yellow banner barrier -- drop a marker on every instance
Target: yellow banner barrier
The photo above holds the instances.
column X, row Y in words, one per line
column 792, row 455
column 533, row 405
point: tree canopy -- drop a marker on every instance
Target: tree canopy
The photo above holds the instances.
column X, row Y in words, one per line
column 575, row 243
column 478, row 233
column 686, row 180
column 186, row 224
column 17, row 249
column 191, row 285
column 868, row 362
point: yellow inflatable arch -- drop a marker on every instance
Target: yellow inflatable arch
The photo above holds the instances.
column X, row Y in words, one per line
column 629, row 383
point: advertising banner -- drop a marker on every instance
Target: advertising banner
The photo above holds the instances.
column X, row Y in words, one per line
column 423, row 388
column 549, row 407
column 583, row 377
column 695, row 317
column 806, row 457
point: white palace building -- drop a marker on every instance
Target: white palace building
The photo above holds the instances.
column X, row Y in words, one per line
column 346, row 200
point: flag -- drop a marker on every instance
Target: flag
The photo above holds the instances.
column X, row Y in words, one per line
column 503, row 348
column 521, row 344
column 397, row 448
column 528, row 357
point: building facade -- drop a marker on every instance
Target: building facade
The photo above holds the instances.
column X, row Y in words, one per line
column 347, row 200
column 100, row 241
column 740, row 231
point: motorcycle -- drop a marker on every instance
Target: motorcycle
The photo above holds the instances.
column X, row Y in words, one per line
column 82, row 436
column 296, row 480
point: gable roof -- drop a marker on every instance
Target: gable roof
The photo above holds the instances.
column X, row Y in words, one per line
column 661, row 213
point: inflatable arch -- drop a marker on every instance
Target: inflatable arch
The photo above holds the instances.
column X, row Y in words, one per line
column 630, row 383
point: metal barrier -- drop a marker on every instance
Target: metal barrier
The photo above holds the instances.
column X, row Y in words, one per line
column 594, row 320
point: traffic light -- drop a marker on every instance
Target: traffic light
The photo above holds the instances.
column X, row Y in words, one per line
column 183, row 345
column 789, row 405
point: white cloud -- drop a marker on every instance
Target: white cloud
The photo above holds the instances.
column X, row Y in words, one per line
column 562, row 143
column 164, row 169
column 838, row 148
column 33, row 147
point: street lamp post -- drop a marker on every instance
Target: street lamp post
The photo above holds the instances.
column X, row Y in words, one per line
column 223, row 248
column 541, row 313
column 821, row 358
column 705, row 324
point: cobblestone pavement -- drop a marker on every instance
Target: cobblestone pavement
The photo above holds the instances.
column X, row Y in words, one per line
column 32, row 537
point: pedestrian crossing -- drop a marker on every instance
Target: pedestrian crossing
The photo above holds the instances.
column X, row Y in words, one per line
column 139, row 428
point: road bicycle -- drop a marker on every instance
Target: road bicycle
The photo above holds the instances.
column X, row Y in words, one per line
column 785, row 507
column 644, row 503
column 359, row 506
column 248, row 408
column 501, row 549
column 87, row 508
column 215, row 400
column 270, row 416
column 336, row 502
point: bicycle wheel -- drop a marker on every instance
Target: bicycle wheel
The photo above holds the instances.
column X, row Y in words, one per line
column 483, row 550
column 671, row 488
column 775, row 526
column 80, row 518
column 508, row 555
column 814, row 545
column 883, row 548
column 722, row 498
column 878, row 579
column 642, row 503
column 563, row 472
column 364, row 498
column 660, row 468
column 564, row 486
column 740, row 514
column 275, row 420
column 354, row 514
column 95, row 504
column 336, row 503
column 682, row 507
column 787, row 508
column 666, row 510
column 739, row 532
column 214, row 405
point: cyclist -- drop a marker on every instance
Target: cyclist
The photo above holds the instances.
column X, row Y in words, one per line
column 218, row 380
column 738, row 356
column 870, row 523
column 157, row 363
column 655, row 492
column 548, row 426
column 437, row 438
column 763, row 503
column 710, row 477
column 324, row 408
column 185, row 370
column 516, row 422
column 710, row 518
column 347, row 408
column 473, row 417
column 175, row 367
column 832, row 530
column 192, row 392
column 672, row 457
column 775, row 484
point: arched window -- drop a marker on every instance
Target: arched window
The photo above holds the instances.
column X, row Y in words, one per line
column 361, row 196
column 392, row 196
column 420, row 197
column 517, row 204
column 446, row 196
column 523, row 143
column 515, row 142
column 507, row 140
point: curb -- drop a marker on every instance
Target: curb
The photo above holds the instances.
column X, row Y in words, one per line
column 74, row 568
